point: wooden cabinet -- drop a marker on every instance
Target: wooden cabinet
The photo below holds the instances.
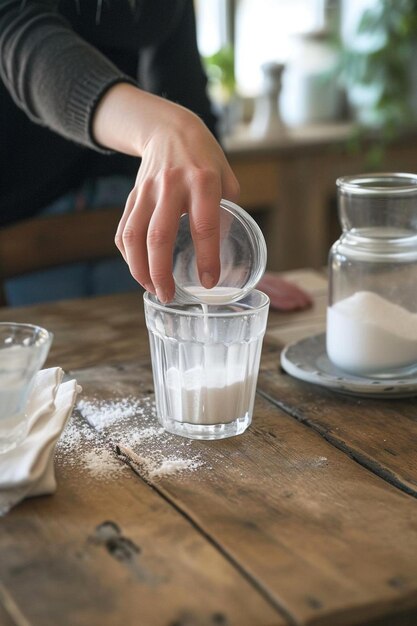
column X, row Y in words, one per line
column 290, row 184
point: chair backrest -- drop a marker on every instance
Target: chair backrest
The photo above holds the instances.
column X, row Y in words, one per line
column 49, row 241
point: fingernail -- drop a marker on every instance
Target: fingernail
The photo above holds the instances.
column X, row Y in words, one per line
column 163, row 296
column 207, row 280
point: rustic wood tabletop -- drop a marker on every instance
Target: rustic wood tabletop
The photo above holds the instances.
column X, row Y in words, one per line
column 309, row 518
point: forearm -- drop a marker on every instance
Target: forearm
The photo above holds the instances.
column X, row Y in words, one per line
column 55, row 76
column 127, row 117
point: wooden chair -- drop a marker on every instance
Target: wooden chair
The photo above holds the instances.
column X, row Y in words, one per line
column 49, row 241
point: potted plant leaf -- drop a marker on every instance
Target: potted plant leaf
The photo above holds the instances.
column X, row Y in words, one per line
column 379, row 64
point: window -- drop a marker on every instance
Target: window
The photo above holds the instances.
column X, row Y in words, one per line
column 261, row 30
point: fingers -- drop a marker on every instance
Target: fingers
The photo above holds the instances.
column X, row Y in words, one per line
column 163, row 191
column 162, row 231
column 205, row 225
column 284, row 295
column 146, row 235
column 132, row 233
column 118, row 239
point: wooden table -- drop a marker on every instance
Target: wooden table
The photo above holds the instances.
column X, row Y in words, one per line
column 309, row 518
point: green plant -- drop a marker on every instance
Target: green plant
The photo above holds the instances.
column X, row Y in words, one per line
column 376, row 69
column 220, row 68
column 380, row 63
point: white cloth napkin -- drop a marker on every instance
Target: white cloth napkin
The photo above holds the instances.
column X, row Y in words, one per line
column 28, row 469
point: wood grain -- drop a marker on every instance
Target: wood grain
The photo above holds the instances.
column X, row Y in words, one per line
column 380, row 434
column 89, row 331
column 293, row 523
column 114, row 552
column 324, row 539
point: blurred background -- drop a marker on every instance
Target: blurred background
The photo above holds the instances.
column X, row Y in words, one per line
column 305, row 91
column 339, row 59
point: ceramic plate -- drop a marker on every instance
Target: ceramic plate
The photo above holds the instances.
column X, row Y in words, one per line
column 307, row 360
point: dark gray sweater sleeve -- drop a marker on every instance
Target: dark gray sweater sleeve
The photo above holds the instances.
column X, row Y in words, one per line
column 54, row 75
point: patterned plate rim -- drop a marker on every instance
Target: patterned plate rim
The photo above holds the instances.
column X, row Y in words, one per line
column 341, row 381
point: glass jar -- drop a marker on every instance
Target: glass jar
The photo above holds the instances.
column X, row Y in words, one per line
column 372, row 309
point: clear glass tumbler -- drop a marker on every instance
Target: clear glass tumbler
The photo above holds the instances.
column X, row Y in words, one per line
column 23, row 351
column 205, row 363
column 372, row 313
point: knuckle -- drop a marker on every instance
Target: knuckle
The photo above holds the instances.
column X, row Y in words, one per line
column 158, row 237
column 146, row 186
column 204, row 177
column 169, row 176
column 128, row 236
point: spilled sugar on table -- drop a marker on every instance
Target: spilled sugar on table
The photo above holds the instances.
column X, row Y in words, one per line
column 309, row 518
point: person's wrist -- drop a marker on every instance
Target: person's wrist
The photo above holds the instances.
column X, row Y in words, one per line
column 167, row 121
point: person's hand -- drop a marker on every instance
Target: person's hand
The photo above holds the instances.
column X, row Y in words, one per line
column 284, row 295
column 183, row 169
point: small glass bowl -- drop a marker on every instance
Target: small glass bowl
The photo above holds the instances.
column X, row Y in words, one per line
column 242, row 259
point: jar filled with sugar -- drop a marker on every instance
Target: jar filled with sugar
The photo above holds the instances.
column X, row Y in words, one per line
column 372, row 310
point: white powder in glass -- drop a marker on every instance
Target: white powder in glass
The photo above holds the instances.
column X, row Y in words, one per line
column 368, row 334
column 217, row 295
column 209, row 396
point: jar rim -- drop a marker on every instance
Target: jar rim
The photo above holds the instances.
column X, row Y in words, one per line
column 378, row 184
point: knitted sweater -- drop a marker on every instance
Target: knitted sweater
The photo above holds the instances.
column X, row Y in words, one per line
column 57, row 59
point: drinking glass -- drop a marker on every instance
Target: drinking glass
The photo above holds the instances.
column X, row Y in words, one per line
column 205, row 362
column 23, row 351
